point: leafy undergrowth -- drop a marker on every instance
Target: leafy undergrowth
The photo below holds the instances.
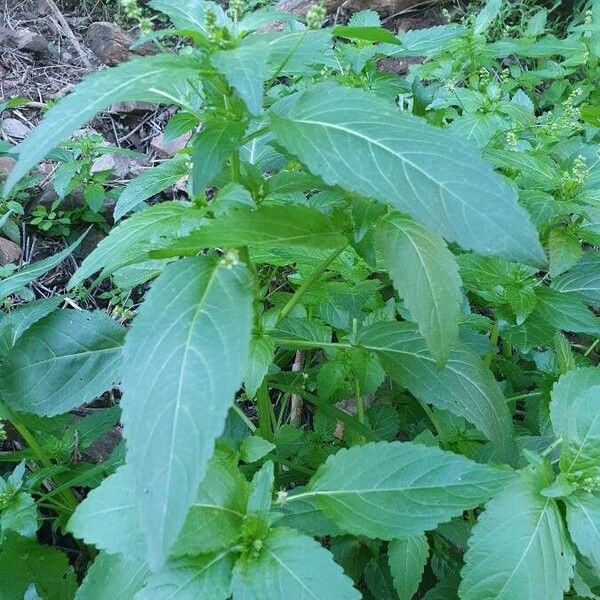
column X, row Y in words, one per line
column 365, row 364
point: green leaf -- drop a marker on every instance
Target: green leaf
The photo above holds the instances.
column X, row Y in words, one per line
column 407, row 559
column 566, row 311
column 464, row 386
column 254, row 447
column 215, row 519
column 564, row 250
column 18, row 320
column 64, row 360
column 391, row 490
column 519, row 547
column 189, row 15
column 191, row 578
column 341, row 134
column 184, row 354
column 245, row 69
column 108, row 519
column 303, row 515
column 565, row 392
column 131, row 241
column 425, row 274
column 266, row 226
column 19, row 515
column 262, row 488
column 583, row 520
column 487, row 15
column 580, row 452
column 212, row 146
column 150, row 182
column 260, row 357
column 231, row 196
column 24, row 562
column 291, row 565
column 139, row 79
column 583, row 279
column 17, row 280
column 367, row 33
column 113, row 577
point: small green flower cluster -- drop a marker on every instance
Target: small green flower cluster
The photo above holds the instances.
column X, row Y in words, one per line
column 134, row 12
column 315, row 16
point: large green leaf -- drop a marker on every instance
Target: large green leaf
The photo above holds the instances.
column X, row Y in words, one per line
column 583, row 519
column 64, row 360
column 108, row 519
column 132, row 240
column 426, row 275
column 191, row 578
column 463, row 386
column 291, row 565
column 245, row 69
column 182, row 364
column 139, row 79
column 407, row 559
column 113, row 577
column 368, row 146
column 267, row 226
column 24, row 562
column 149, row 183
column 391, row 490
column 519, row 547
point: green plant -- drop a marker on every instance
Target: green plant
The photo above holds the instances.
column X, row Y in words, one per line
column 51, row 221
column 346, row 274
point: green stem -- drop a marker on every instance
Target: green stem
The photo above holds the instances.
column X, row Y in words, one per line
column 68, row 497
column 242, row 415
column 265, row 424
column 524, row 396
column 494, row 341
column 235, row 167
column 551, row 447
column 360, row 407
column 307, row 284
column 591, row 348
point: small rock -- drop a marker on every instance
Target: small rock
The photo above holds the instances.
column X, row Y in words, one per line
column 6, row 165
column 9, row 252
column 108, row 42
column 15, row 129
column 166, row 149
column 118, row 164
column 30, row 41
column 89, row 243
column 131, row 107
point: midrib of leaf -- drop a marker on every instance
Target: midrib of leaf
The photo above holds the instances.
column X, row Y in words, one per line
column 526, row 551
column 59, row 357
column 197, row 313
column 217, row 507
column 405, row 161
column 294, row 576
